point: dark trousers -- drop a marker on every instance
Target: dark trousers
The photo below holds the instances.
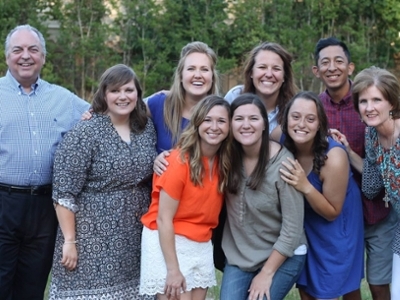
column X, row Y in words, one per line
column 27, row 235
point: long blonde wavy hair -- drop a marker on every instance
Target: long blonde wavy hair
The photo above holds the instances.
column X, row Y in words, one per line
column 174, row 103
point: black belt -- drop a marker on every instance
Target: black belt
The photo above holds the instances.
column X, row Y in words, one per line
column 34, row 190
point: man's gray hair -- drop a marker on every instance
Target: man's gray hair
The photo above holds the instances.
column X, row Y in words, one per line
column 25, row 27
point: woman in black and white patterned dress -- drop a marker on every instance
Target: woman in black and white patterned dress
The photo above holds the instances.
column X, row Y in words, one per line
column 101, row 189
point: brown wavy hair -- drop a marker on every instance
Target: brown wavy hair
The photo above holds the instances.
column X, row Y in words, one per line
column 288, row 88
column 189, row 143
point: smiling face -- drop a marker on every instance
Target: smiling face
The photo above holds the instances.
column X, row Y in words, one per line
column 268, row 74
column 197, row 75
column 25, row 57
column 303, row 122
column 248, row 125
column 214, row 129
column 334, row 68
column 121, row 101
column 374, row 108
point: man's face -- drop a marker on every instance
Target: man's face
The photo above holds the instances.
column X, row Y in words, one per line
column 25, row 57
column 333, row 68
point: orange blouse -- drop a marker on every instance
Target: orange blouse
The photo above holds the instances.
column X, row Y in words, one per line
column 199, row 206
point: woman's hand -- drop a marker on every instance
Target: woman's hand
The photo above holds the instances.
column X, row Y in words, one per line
column 70, row 256
column 160, row 163
column 340, row 138
column 87, row 115
column 175, row 284
column 66, row 219
column 260, row 286
column 295, row 176
column 355, row 160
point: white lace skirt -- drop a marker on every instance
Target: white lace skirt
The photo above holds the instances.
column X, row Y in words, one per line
column 195, row 262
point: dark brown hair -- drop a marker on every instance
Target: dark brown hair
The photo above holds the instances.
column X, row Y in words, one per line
column 320, row 141
column 115, row 77
column 256, row 177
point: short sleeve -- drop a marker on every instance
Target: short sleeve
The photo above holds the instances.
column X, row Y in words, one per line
column 71, row 163
column 173, row 180
column 156, row 104
column 79, row 106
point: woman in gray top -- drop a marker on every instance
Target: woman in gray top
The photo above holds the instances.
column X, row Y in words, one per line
column 263, row 237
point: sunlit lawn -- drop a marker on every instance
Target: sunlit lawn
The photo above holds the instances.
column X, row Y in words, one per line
column 213, row 293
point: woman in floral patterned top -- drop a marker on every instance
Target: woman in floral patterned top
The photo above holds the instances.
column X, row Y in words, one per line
column 101, row 190
column 376, row 97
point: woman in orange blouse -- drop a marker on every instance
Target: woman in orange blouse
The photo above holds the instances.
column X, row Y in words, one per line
column 177, row 258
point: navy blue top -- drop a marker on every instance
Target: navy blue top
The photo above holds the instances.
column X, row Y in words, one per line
column 164, row 135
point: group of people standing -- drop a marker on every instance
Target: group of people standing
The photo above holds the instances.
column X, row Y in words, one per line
column 283, row 169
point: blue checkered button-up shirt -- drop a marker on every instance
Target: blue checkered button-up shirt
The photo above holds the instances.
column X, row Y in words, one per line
column 31, row 126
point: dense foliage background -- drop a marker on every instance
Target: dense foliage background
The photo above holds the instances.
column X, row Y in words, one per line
column 92, row 35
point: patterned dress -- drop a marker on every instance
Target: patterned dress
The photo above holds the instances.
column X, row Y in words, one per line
column 106, row 183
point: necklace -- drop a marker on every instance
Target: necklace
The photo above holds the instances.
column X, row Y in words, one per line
column 385, row 166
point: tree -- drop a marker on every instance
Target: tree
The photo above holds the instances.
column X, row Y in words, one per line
column 82, row 53
column 19, row 12
column 148, row 34
column 152, row 34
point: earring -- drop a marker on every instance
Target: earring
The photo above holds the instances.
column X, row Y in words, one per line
column 391, row 114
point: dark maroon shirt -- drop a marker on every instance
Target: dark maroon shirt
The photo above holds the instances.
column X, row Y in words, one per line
column 343, row 117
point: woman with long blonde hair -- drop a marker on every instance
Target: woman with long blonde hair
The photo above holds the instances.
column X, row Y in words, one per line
column 195, row 77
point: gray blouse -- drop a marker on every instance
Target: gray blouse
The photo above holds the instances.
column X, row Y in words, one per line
column 261, row 220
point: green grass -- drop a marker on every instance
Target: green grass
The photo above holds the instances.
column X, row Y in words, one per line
column 213, row 293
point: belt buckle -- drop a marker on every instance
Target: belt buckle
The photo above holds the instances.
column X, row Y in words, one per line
column 34, row 190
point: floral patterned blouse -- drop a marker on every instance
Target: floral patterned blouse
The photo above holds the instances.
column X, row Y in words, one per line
column 388, row 161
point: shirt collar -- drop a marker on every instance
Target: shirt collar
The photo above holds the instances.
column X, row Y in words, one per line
column 345, row 100
column 17, row 86
column 273, row 112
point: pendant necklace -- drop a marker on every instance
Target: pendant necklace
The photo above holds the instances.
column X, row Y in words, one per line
column 385, row 165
